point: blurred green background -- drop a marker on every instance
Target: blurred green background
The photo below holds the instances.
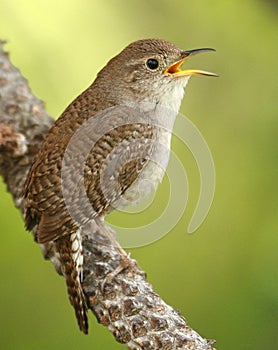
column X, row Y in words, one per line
column 223, row 277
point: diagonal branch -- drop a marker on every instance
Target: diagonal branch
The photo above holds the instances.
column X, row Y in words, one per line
column 128, row 306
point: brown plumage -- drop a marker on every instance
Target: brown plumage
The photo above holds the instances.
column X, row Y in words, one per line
column 64, row 246
column 96, row 150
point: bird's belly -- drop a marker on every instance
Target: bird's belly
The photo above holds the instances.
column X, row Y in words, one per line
column 152, row 173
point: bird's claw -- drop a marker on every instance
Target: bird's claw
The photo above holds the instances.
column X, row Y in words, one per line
column 125, row 263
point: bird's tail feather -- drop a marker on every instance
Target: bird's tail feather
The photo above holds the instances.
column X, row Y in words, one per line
column 70, row 250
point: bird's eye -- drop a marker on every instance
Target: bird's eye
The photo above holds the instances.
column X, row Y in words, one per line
column 152, row 63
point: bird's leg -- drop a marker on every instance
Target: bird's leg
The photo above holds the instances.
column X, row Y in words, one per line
column 125, row 260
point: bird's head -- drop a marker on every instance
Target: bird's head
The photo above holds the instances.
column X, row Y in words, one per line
column 150, row 70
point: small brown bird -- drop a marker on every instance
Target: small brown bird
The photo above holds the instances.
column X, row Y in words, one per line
column 103, row 145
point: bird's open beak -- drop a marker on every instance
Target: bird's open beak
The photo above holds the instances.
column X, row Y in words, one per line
column 175, row 69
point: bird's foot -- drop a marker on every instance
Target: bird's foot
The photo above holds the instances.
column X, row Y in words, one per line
column 125, row 263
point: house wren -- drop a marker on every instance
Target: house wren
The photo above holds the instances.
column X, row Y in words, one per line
column 126, row 110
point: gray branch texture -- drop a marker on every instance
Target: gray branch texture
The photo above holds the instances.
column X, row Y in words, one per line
column 128, row 307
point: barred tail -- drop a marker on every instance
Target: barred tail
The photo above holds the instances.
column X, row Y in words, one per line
column 70, row 250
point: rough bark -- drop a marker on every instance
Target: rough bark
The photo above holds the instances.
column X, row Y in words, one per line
column 127, row 306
